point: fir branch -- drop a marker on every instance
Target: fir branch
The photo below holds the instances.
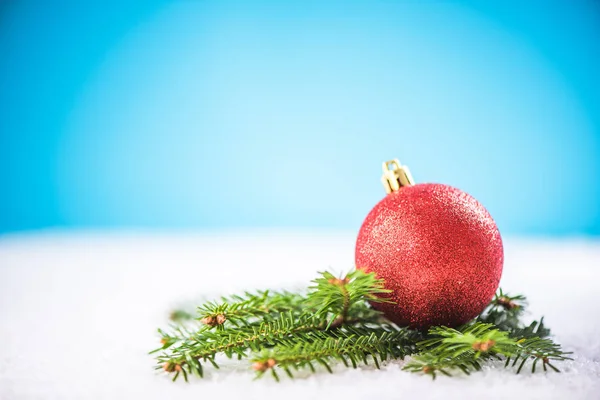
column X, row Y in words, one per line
column 537, row 349
column 249, row 308
column 349, row 346
column 536, row 329
column 478, row 339
column 334, row 322
column 251, row 322
column 191, row 354
column 335, row 297
column 466, row 349
column 505, row 313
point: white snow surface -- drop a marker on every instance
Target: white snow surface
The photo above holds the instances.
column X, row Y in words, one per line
column 79, row 312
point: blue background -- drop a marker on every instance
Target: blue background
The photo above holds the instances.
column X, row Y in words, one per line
column 278, row 114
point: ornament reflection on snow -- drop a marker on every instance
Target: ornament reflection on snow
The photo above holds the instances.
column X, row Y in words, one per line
column 437, row 248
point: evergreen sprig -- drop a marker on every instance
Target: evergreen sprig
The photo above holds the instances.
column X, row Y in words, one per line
column 338, row 298
column 249, row 308
column 465, row 349
column 333, row 322
column 505, row 312
column 249, row 323
column 349, row 346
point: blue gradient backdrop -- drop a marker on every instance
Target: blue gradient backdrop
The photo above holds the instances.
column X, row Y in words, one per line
column 278, row 114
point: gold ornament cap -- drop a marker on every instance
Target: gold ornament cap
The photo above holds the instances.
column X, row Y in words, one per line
column 395, row 176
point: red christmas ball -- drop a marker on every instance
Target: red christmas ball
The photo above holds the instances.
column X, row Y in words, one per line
column 439, row 252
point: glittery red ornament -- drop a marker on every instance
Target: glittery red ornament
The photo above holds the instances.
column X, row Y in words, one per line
column 438, row 250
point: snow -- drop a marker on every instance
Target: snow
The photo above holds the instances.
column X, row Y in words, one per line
column 79, row 312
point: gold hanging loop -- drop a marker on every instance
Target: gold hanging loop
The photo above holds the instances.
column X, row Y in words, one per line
column 395, row 176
